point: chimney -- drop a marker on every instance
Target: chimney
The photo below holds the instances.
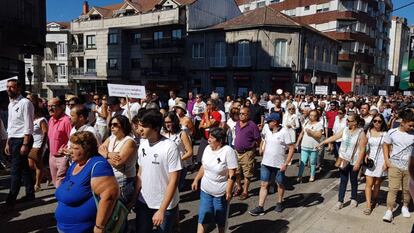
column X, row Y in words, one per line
column 85, row 8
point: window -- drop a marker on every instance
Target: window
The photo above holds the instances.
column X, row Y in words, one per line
column 135, row 63
column 136, row 38
column 306, row 52
column 243, row 48
column 177, row 34
column 113, row 38
column 246, row 8
column 260, row 4
column 90, row 42
column 325, row 55
column 274, row 1
column 113, row 63
column 220, row 49
column 158, row 36
column 332, row 57
column 307, row 8
column 62, row 71
column 280, row 54
column 90, row 65
column 198, row 50
column 315, row 53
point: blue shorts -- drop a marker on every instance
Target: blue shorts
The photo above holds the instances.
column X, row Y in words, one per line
column 212, row 209
column 267, row 171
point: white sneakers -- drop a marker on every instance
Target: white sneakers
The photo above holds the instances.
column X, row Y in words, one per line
column 354, row 203
column 387, row 216
column 405, row 212
column 339, row 205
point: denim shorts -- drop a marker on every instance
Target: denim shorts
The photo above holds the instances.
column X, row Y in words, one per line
column 212, row 209
column 266, row 174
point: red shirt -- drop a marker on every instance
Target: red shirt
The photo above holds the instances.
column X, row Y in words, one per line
column 214, row 115
column 330, row 116
column 59, row 133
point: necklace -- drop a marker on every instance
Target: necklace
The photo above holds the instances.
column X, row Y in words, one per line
column 115, row 144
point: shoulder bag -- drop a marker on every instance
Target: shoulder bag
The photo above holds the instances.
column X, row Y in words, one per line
column 119, row 213
column 341, row 163
column 370, row 163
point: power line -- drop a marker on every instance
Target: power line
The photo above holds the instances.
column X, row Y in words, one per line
column 344, row 26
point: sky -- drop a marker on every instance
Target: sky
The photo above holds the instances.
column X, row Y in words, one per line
column 67, row 10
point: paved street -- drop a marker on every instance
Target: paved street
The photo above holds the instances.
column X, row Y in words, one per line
column 309, row 209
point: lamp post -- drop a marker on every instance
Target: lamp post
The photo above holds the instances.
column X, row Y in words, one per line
column 29, row 77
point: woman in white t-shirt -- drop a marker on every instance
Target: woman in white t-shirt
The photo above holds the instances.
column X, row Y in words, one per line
column 121, row 151
column 231, row 125
column 351, row 153
column 172, row 130
column 40, row 129
column 217, row 176
column 339, row 125
column 374, row 176
column 396, row 159
column 309, row 138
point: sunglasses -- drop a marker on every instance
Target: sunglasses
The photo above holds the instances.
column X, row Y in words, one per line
column 52, row 106
column 168, row 122
column 95, row 99
column 349, row 120
column 244, row 114
column 377, row 121
column 340, row 113
column 116, row 125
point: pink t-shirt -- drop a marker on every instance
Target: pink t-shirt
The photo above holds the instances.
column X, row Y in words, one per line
column 59, row 133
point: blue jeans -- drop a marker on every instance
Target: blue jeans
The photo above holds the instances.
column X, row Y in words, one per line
column 266, row 174
column 345, row 174
column 143, row 221
column 19, row 167
column 304, row 156
column 212, row 209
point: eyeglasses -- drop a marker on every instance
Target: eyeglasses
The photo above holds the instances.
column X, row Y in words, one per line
column 52, row 106
column 242, row 113
column 349, row 120
column 208, row 104
column 291, row 109
column 340, row 113
column 116, row 125
column 377, row 121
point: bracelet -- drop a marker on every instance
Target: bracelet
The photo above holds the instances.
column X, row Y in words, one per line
column 100, row 227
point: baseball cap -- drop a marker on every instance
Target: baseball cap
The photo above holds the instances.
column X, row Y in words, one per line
column 273, row 117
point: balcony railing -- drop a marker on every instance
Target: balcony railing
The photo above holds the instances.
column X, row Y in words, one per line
column 218, row 62
column 50, row 57
column 242, row 61
column 163, row 43
column 321, row 66
column 77, row 48
column 281, row 62
column 77, row 71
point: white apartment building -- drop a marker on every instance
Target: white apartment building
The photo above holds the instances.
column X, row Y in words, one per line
column 56, row 60
column 34, row 64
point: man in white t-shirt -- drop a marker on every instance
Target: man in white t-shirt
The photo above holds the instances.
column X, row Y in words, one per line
column 172, row 101
column 397, row 149
column 158, row 175
column 277, row 141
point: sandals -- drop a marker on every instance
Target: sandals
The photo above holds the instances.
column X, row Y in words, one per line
column 367, row 211
column 243, row 196
column 237, row 193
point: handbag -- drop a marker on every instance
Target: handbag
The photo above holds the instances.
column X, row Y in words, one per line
column 119, row 213
column 341, row 163
column 370, row 163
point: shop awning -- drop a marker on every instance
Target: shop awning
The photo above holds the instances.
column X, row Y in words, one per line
column 346, row 87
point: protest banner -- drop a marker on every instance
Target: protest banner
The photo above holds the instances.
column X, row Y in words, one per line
column 130, row 91
column 3, row 83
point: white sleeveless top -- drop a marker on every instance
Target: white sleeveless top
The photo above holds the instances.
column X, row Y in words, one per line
column 37, row 132
column 99, row 120
column 349, row 142
column 128, row 169
column 176, row 138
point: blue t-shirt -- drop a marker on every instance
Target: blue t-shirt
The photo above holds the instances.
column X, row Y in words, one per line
column 76, row 209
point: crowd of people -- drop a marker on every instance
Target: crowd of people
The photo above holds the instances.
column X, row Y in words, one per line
column 99, row 150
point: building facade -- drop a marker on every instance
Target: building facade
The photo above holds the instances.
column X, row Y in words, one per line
column 399, row 47
column 261, row 50
column 139, row 42
column 361, row 26
column 22, row 32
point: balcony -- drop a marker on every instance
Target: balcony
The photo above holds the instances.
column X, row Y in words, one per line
column 218, row 62
column 77, row 50
column 242, row 61
column 163, row 46
column 60, row 80
column 50, row 57
column 310, row 64
column 279, row 62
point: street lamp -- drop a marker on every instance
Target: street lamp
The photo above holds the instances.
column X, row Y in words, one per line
column 29, row 77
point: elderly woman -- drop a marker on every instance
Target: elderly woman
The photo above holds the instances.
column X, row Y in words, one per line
column 351, row 153
column 76, row 210
column 217, row 176
column 120, row 150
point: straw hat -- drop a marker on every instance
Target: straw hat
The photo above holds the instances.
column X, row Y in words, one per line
column 181, row 105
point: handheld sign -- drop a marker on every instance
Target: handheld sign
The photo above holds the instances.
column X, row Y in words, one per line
column 407, row 93
column 3, row 83
column 321, row 90
column 132, row 91
column 382, row 92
